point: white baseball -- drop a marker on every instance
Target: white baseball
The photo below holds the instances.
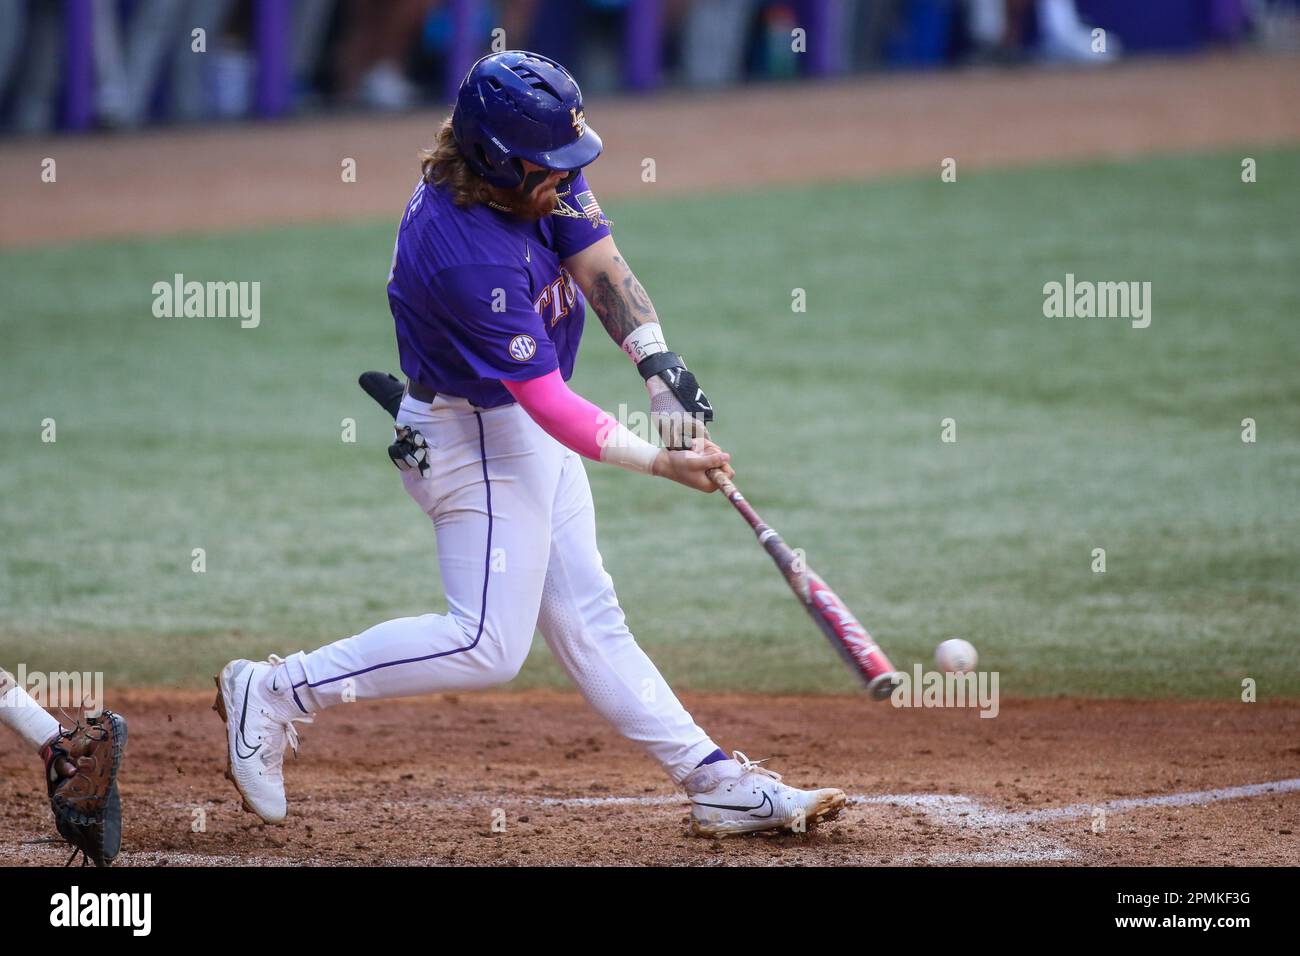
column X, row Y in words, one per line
column 956, row 655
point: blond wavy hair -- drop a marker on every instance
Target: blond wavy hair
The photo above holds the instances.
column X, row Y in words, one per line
column 443, row 165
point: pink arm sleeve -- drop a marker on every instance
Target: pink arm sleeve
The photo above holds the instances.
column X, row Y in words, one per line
column 563, row 414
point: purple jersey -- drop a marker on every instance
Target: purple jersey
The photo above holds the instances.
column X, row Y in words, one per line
column 479, row 296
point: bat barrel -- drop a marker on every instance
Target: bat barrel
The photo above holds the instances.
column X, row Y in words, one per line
column 882, row 686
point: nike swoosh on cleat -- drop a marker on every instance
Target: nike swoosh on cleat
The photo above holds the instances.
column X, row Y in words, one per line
column 758, row 806
column 243, row 715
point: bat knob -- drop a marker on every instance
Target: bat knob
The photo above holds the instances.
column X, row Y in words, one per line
column 882, row 686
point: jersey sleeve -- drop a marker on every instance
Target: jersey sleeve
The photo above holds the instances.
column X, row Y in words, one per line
column 492, row 322
column 574, row 235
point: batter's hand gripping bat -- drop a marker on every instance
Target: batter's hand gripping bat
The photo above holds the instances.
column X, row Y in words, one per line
column 835, row 619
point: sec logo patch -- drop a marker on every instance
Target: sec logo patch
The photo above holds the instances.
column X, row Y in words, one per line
column 522, row 348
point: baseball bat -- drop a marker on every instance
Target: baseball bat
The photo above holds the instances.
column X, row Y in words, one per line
column 836, row 621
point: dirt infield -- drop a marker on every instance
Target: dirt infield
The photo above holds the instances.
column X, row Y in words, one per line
column 418, row 781
column 222, row 178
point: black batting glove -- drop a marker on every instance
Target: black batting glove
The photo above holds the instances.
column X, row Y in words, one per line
column 678, row 406
column 410, row 452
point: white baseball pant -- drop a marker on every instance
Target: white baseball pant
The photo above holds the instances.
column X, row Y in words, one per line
column 516, row 533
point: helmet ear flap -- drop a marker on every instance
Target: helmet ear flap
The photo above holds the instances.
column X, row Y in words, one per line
column 499, row 170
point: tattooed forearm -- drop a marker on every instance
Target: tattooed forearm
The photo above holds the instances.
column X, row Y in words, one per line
column 621, row 302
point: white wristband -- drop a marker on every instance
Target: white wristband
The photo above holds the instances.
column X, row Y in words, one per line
column 644, row 340
column 627, row 450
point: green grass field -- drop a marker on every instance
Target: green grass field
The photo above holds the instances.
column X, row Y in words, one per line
column 924, row 301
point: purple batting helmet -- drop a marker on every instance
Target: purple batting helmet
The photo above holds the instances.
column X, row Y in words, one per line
column 518, row 105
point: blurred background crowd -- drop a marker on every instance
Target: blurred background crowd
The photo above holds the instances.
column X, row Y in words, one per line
column 85, row 64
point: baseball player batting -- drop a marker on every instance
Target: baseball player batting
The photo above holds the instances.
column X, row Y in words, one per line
column 499, row 250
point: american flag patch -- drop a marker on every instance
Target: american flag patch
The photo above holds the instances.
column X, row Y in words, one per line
column 590, row 208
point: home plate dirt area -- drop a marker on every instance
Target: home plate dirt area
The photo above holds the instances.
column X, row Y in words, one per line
column 535, row 778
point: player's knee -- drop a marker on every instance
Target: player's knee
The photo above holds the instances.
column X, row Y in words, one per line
column 507, row 668
column 500, row 664
column 501, row 648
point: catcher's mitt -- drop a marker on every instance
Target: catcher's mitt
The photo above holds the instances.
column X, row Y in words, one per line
column 81, row 770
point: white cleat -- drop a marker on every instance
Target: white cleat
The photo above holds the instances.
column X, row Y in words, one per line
column 738, row 796
column 256, row 735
